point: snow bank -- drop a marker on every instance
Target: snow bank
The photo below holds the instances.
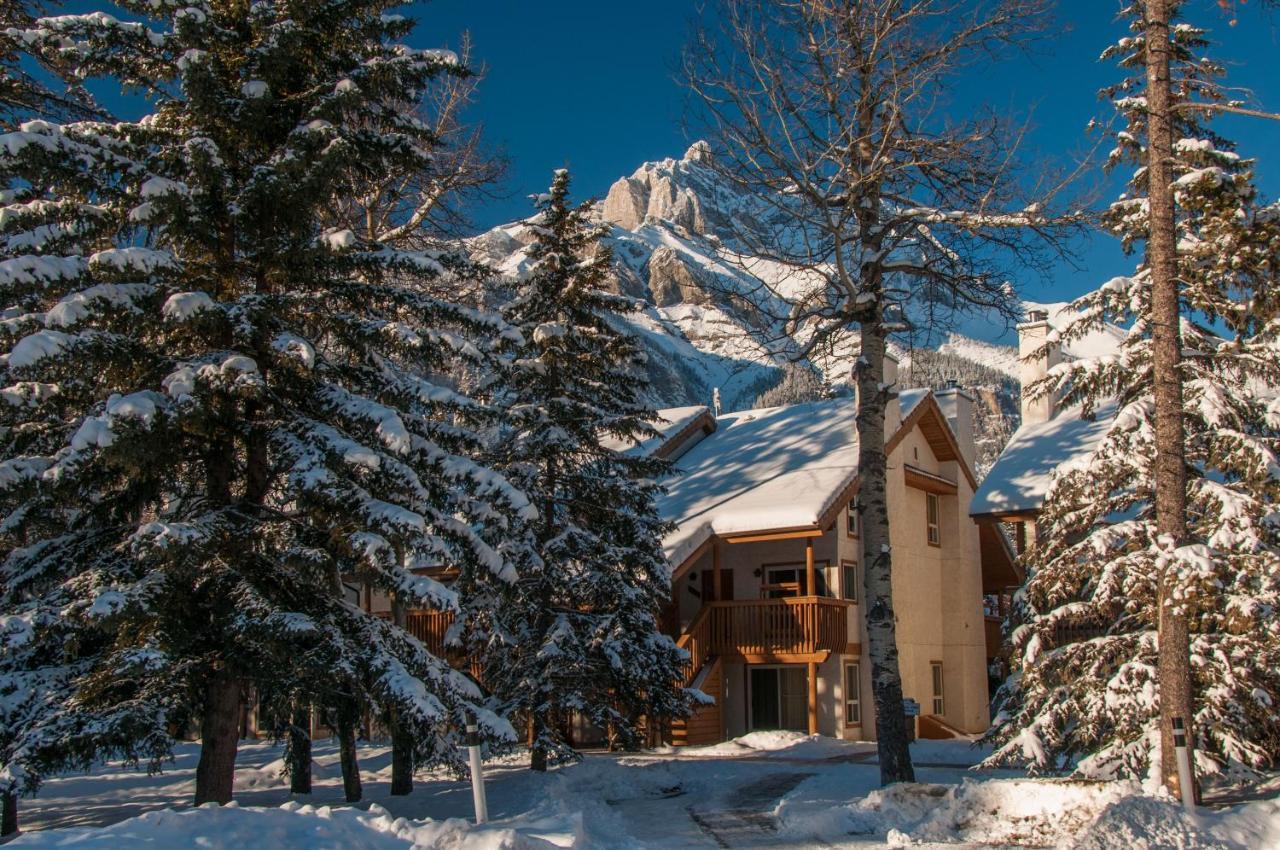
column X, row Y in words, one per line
column 1068, row 814
column 289, row 826
column 1012, row 811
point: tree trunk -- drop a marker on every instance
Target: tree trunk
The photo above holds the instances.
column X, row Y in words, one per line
column 882, row 641
column 351, row 787
column 1166, row 354
column 537, row 742
column 300, row 751
column 9, row 815
column 219, row 736
column 401, row 740
column 401, row 761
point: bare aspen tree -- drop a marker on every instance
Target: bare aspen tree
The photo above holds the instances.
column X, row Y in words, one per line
column 415, row 210
column 886, row 212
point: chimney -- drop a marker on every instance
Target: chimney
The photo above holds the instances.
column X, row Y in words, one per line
column 1032, row 335
column 957, row 405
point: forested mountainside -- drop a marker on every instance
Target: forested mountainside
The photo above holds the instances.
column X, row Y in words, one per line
column 675, row 233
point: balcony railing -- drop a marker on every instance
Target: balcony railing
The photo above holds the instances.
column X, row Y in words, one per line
column 759, row 628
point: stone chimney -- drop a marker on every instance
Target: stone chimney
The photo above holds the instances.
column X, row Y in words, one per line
column 1032, row 335
column 957, row 406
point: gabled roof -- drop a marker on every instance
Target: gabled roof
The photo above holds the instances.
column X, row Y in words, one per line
column 675, row 426
column 1018, row 482
column 777, row 469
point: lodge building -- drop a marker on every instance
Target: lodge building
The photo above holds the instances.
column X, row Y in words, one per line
column 767, row 578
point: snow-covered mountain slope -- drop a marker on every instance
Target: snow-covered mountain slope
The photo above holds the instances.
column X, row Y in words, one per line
column 673, row 228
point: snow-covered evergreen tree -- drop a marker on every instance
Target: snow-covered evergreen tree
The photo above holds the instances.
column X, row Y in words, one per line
column 216, row 411
column 1084, row 690
column 797, row 384
column 24, row 94
column 578, row 631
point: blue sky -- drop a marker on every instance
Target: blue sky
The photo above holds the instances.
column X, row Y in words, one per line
column 592, row 86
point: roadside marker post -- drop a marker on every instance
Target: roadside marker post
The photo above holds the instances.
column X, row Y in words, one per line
column 477, row 771
column 1185, row 782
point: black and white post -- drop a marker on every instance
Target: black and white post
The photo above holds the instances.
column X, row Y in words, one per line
column 1185, row 783
column 477, row 771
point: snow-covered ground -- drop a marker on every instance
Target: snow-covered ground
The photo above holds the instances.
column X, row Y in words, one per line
column 765, row 790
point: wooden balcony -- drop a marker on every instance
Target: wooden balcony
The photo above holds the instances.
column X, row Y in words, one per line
column 758, row 631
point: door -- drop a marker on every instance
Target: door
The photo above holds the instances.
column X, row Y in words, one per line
column 765, row 713
column 709, row 585
column 794, row 695
column 779, row 698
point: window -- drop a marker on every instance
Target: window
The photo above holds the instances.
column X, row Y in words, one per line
column 783, row 580
column 939, row 707
column 931, row 518
column 852, row 696
column 849, row 580
column 853, row 518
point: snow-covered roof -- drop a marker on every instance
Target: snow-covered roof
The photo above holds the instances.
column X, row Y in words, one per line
column 764, row 470
column 1020, row 478
column 671, row 424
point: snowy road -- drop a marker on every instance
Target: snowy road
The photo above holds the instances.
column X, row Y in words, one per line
column 775, row 790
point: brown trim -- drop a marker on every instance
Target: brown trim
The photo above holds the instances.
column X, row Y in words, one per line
column 778, row 657
column 692, row 558
column 704, row 422
column 921, row 479
column 852, row 519
column 852, row 649
column 949, row 449
column 794, row 533
column 1007, row 516
column 846, row 563
column 841, row 501
column 999, row 561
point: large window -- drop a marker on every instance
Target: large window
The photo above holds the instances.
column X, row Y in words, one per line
column 939, row 706
column 852, row 516
column 852, row 696
column 784, row 580
column 849, row 580
column 931, row 518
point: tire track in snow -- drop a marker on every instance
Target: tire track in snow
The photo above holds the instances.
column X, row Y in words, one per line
column 745, row 819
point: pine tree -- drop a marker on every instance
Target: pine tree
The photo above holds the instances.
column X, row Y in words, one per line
column 796, row 384
column 578, row 631
column 1085, row 689
column 218, row 411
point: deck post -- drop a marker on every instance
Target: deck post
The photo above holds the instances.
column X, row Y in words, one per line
column 813, row 698
column 811, row 588
column 715, row 570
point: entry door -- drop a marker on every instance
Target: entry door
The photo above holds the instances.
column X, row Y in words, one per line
column 779, row 698
column 795, row 698
column 765, row 710
column 709, row 585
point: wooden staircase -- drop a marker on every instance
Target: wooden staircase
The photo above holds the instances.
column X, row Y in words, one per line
column 703, row 672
